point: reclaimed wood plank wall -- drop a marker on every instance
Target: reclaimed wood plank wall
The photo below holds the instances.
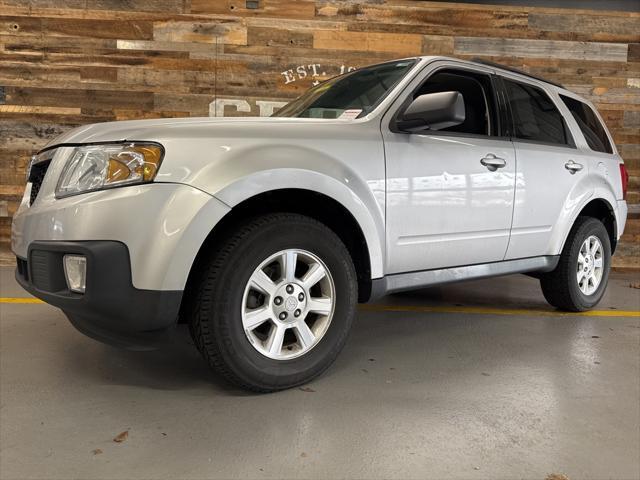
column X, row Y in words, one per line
column 67, row 63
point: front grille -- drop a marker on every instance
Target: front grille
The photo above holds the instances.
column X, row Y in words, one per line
column 40, row 270
column 46, row 270
column 36, row 177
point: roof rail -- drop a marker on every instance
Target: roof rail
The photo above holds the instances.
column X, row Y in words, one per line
column 514, row 70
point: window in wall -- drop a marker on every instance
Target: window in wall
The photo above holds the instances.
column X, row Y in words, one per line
column 592, row 129
column 477, row 91
column 535, row 116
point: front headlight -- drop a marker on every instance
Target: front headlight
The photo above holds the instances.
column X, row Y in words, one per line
column 94, row 167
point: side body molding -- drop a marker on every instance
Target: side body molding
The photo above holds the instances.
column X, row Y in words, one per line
column 427, row 278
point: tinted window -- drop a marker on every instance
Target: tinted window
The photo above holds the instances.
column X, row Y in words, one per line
column 360, row 91
column 535, row 117
column 593, row 131
column 476, row 89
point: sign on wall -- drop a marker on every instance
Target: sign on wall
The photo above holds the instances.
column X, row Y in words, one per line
column 311, row 74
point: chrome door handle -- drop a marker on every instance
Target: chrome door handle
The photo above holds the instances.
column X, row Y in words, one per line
column 573, row 167
column 492, row 162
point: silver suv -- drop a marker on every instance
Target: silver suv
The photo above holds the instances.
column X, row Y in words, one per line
column 262, row 234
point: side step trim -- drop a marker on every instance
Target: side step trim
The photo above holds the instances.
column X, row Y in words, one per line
column 426, row 278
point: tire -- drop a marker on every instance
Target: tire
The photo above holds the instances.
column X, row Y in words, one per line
column 561, row 287
column 226, row 289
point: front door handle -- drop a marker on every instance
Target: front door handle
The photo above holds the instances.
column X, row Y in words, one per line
column 492, row 162
column 573, row 167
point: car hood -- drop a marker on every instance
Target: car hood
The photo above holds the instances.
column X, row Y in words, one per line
column 157, row 128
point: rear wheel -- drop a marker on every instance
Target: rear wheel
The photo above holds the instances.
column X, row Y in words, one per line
column 580, row 279
column 274, row 305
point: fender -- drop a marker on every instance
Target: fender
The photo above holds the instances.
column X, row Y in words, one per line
column 234, row 169
column 603, row 191
column 274, row 179
column 600, row 190
column 578, row 197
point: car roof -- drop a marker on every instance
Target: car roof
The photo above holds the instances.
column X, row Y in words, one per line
column 511, row 72
column 514, row 72
column 497, row 66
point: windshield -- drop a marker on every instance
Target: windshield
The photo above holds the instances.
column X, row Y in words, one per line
column 351, row 95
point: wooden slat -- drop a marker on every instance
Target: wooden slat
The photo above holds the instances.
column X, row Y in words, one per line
column 231, row 32
column 541, row 49
column 38, row 109
column 279, row 37
column 600, row 27
column 38, row 6
column 269, row 8
column 403, row 44
column 631, row 119
column 77, row 97
column 70, row 27
column 173, row 6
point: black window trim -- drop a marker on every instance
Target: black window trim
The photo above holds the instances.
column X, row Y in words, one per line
column 571, row 144
column 408, row 96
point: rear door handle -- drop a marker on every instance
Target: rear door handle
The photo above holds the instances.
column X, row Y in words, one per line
column 492, row 162
column 573, row 167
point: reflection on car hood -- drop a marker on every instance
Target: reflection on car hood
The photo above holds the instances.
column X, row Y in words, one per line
column 151, row 129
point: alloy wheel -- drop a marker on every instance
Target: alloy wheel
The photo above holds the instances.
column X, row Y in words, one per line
column 288, row 304
column 590, row 265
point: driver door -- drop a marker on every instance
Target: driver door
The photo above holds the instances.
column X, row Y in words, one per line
column 445, row 206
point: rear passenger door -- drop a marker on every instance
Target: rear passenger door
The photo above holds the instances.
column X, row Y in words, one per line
column 548, row 168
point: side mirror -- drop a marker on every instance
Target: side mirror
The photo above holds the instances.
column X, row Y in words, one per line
column 433, row 111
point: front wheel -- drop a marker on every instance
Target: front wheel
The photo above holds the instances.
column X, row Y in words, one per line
column 580, row 279
column 275, row 303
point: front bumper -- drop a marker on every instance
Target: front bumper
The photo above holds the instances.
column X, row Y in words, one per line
column 140, row 242
column 111, row 310
column 163, row 226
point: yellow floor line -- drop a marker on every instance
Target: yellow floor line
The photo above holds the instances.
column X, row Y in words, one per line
column 496, row 311
column 20, row 300
column 442, row 309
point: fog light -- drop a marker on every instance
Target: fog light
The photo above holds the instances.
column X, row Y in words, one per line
column 75, row 270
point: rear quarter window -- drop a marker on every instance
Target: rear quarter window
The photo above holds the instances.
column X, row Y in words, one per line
column 591, row 127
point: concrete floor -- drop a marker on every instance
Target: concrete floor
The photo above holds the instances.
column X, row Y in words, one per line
column 414, row 394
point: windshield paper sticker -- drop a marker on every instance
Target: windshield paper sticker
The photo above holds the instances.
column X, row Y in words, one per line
column 350, row 114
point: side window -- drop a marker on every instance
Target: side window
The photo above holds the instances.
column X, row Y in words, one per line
column 479, row 103
column 535, row 116
column 592, row 129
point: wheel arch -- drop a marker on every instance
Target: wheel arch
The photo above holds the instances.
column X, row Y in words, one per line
column 601, row 209
column 319, row 206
